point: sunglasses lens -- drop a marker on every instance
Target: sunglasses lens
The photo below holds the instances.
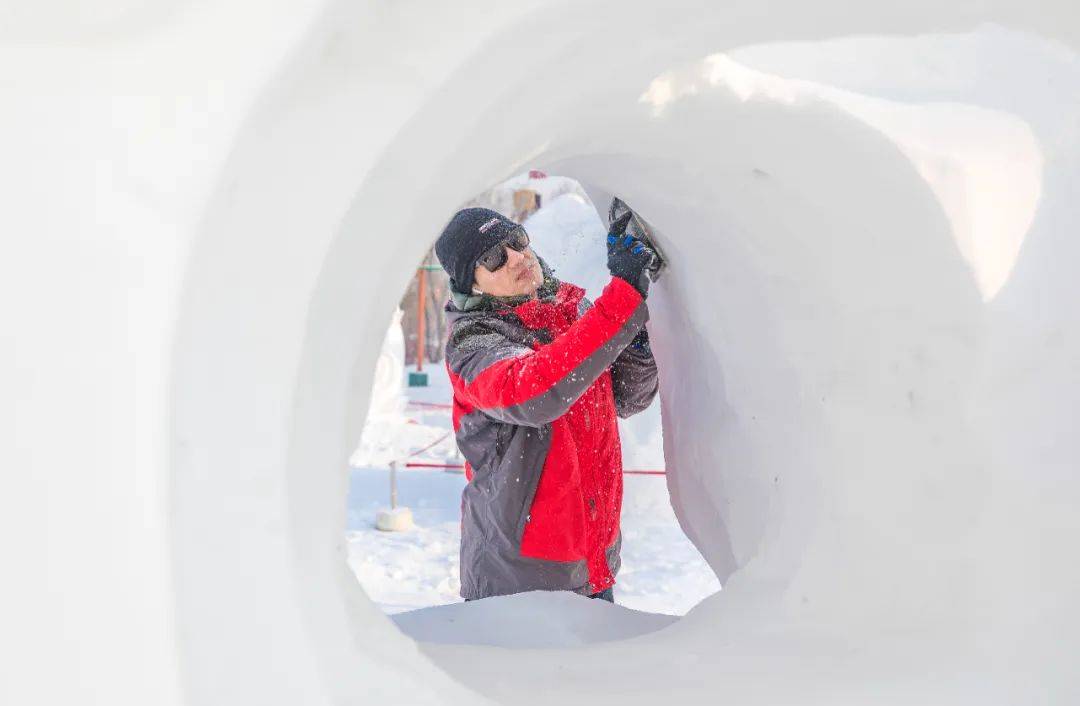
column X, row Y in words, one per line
column 494, row 258
column 519, row 239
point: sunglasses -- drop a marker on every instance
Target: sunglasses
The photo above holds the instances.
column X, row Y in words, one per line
column 495, row 256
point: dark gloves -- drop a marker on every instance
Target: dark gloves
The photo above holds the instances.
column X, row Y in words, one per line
column 628, row 259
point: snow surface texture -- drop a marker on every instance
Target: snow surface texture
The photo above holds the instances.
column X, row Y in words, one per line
column 869, row 401
column 538, row 619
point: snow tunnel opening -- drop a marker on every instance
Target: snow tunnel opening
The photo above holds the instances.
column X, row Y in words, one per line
column 752, row 216
column 407, row 473
column 814, row 379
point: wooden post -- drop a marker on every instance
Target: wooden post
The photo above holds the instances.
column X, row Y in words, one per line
column 393, row 485
column 419, row 378
column 395, row 519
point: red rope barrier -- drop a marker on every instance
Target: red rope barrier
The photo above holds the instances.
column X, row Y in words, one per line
column 434, row 405
column 417, row 464
column 439, row 405
column 433, row 443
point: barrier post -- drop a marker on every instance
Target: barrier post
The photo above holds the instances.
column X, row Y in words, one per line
column 419, row 378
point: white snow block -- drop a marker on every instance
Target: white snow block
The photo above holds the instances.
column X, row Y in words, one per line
column 398, row 519
column 539, row 619
column 868, row 341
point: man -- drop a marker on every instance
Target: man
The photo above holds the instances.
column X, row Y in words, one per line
column 539, row 376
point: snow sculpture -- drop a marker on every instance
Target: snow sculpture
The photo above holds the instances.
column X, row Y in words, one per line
column 382, row 441
column 879, row 460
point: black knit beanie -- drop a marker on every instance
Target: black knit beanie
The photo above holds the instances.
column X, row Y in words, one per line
column 466, row 237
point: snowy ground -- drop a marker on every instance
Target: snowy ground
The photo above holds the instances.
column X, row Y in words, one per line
column 539, row 619
column 662, row 571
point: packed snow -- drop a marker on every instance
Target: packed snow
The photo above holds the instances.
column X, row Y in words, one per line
column 537, row 619
column 662, row 571
column 869, row 370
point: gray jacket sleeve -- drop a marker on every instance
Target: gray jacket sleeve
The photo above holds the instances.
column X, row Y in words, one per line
column 513, row 383
column 633, row 377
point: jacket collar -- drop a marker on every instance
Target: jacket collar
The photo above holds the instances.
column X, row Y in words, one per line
column 555, row 308
column 461, row 302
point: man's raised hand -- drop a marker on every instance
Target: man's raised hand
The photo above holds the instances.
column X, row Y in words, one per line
column 628, row 258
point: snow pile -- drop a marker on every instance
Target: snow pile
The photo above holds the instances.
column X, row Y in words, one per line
column 530, row 620
column 549, row 188
column 385, row 437
column 569, row 234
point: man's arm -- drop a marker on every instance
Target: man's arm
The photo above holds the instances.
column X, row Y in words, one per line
column 633, row 377
column 515, row 384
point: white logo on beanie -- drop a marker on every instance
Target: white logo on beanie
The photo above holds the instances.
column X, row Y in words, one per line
column 487, row 226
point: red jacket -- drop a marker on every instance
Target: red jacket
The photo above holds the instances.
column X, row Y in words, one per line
column 537, row 388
